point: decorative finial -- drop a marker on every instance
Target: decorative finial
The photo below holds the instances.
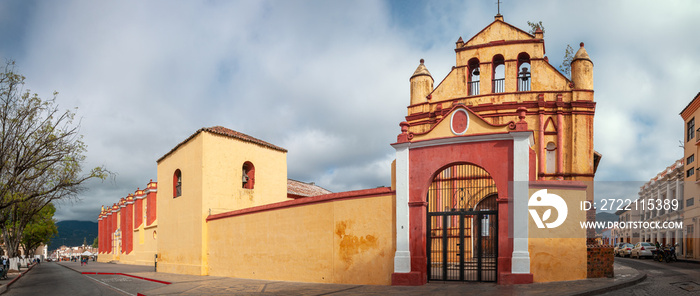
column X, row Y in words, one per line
column 499, row 6
column 581, row 44
column 404, row 136
column 422, row 61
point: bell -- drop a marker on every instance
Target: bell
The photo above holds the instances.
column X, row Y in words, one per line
column 476, row 72
column 523, row 74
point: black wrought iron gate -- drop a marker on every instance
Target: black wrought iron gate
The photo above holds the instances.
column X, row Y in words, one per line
column 462, row 223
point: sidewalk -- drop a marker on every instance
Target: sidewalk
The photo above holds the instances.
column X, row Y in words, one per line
column 13, row 277
column 697, row 261
column 204, row 285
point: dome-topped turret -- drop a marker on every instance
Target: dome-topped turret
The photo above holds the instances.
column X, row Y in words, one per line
column 582, row 70
column 421, row 70
column 421, row 84
column 581, row 54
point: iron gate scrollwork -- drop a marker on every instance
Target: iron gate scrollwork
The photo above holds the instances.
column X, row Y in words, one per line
column 462, row 236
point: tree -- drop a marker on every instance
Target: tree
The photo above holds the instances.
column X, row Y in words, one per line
column 41, row 156
column 565, row 66
column 95, row 243
column 535, row 26
column 39, row 230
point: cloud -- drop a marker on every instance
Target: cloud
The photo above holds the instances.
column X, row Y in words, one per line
column 328, row 80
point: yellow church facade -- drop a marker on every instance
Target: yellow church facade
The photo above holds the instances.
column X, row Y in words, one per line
column 477, row 158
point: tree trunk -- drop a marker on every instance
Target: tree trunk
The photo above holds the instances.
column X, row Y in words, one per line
column 11, row 241
column 13, row 263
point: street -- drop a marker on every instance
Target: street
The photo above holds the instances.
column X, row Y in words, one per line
column 675, row 278
column 54, row 279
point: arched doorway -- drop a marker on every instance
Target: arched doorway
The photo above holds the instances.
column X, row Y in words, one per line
column 462, row 224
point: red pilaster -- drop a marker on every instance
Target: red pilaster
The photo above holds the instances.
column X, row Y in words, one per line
column 151, row 201
column 540, row 137
column 128, row 227
column 138, row 212
column 560, row 138
column 99, row 234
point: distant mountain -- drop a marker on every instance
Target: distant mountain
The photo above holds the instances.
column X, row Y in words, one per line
column 603, row 216
column 74, row 233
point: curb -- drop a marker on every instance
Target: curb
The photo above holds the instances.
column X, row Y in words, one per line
column 635, row 280
column 117, row 273
column 125, row 274
column 689, row 261
column 3, row 288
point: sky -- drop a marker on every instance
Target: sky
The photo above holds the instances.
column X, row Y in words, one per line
column 328, row 80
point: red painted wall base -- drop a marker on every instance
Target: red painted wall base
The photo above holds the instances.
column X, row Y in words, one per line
column 413, row 278
column 515, row 278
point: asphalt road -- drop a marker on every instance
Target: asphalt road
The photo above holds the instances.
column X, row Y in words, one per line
column 674, row 278
column 53, row 279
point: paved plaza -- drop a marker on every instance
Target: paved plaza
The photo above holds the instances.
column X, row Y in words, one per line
column 142, row 280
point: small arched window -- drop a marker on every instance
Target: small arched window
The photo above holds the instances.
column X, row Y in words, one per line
column 473, row 76
column 248, row 175
column 525, row 74
column 551, row 157
column 499, row 74
column 177, row 183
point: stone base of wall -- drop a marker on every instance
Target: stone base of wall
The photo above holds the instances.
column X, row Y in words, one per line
column 600, row 261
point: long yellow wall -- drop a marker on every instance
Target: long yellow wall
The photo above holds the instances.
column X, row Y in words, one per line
column 145, row 246
column 347, row 241
column 559, row 254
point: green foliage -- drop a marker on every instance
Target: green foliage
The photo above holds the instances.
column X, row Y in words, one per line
column 535, row 26
column 40, row 229
column 95, row 243
column 565, row 66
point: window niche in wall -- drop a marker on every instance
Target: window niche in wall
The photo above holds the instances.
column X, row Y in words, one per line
column 525, row 74
column 499, row 74
column 177, row 183
column 473, row 76
column 551, row 157
column 248, row 174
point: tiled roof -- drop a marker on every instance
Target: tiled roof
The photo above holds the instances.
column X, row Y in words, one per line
column 302, row 189
column 220, row 130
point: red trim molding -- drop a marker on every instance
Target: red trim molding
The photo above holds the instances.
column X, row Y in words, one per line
column 417, row 204
column 499, row 43
column 307, row 201
column 567, row 175
column 552, row 184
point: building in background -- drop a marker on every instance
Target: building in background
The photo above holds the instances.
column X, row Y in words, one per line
column 691, row 194
column 659, row 200
column 665, row 194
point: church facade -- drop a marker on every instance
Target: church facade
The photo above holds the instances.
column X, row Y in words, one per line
column 491, row 167
column 502, row 119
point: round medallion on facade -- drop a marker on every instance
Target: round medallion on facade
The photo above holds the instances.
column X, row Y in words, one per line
column 459, row 123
